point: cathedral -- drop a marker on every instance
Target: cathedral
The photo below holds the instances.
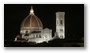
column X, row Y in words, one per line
column 32, row 29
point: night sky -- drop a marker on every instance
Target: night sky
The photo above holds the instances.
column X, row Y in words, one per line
column 14, row 14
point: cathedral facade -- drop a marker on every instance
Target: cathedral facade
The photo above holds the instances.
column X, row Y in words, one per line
column 32, row 29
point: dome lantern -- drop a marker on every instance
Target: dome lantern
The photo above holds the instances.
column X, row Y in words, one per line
column 31, row 10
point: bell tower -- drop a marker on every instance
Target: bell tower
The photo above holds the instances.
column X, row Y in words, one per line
column 60, row 25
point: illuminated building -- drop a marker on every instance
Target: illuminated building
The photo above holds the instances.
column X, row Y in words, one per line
column 32, row 29
column 60, row 25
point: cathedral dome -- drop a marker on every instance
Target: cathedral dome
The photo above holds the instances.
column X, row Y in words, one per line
column 31, row 22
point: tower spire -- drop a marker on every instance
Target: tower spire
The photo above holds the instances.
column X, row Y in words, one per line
column 31, row 10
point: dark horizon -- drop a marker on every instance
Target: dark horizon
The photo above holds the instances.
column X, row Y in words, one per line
column 14, row 14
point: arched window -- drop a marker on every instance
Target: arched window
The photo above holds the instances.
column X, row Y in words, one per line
column 61, row 22
column 61, row 36
column 26, row 32
column 61, row 30
column 36, row 35
column 39, row 36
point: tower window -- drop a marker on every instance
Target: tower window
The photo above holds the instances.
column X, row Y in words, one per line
column 61, row 36
column 61, row 22
column 61, row 30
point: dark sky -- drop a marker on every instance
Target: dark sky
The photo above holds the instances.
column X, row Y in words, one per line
column 14, row 14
